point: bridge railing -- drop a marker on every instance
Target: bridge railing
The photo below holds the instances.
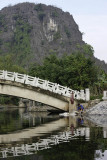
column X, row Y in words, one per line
column 44, row 84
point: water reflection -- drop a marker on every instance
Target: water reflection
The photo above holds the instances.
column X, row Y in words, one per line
column 100, row 120
column 61, row 137
column 100, row 155
column 50, row 137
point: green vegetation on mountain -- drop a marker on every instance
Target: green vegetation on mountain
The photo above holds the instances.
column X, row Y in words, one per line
column 7, row 63
column 74, row 71
column 3, row 26
column 21, row 41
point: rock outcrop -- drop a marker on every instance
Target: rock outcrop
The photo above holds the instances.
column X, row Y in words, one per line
column 100, row 109
column 98, row 114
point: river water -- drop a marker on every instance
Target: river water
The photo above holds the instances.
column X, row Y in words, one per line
column 43, row 136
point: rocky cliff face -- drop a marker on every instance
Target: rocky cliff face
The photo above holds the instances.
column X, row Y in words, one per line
column 31, row 32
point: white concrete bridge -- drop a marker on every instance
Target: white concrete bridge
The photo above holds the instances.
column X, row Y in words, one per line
column 36, row 89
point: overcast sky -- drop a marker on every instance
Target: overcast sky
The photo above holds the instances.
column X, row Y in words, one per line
column 90, row 15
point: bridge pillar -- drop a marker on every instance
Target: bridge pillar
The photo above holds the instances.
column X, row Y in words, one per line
column 30, row 103
column 21, row 104
column 33, row 103
column 72, row 107
column 87, row 98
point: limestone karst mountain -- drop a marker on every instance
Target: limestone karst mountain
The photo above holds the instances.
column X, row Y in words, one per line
column 33, row 31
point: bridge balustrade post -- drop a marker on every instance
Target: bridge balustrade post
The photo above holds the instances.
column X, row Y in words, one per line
column 2, row 74
column 75, row 94
column 65, row 91
column 55, row 88
column 82, row 95
column 36, row 82
column 4, row 154
column 45, row 85
column 87, row 94
column 104, row 95
column 33, row 103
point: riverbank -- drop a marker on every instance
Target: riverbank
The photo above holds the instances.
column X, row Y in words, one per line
column 97, row 114
column 100, row 108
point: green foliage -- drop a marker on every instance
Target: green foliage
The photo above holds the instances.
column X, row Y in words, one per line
column 38, row 7
column 54, row 13
column 40, row 11
column 42, row 42
column 7, row 63
column 67, row 32
column 41, row 15
column 57, row 35
column 4, row 99
column 92, row 97
column 1, row 42
column 74, row 71
column 16, row 17
column 21, row 42
column 2, row 21
column 3, row 26
column 98, row 87
column 86, row 49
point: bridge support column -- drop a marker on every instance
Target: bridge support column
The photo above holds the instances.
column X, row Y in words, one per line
column 21, row 104
column 30, row 103
column 33, row 103
column 87, row 92
column 72, row 107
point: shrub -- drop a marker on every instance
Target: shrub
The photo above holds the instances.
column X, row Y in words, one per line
column 1, row 42
column 67, row 32
column 57, row 35
column 38, row 7
column 41, row 15
column 54, row 14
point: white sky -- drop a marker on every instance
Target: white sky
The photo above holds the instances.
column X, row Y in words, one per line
column 90, row 15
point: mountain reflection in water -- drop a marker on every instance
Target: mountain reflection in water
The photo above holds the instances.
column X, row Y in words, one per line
column 48, row 137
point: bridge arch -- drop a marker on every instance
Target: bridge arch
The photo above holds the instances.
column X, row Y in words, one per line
column 33, row 88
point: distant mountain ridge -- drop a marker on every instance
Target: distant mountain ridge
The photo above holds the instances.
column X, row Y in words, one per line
column 33, row 31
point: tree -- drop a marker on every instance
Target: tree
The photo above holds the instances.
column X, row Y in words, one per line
column 75, row 71
column 7, row 63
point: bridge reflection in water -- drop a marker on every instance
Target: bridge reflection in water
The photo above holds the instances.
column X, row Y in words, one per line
column 27, row 149
column 70, row 132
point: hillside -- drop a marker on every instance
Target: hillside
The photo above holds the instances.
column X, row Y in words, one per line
column 32, row 31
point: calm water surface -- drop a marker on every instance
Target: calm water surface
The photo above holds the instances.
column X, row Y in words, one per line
column 43, row 136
